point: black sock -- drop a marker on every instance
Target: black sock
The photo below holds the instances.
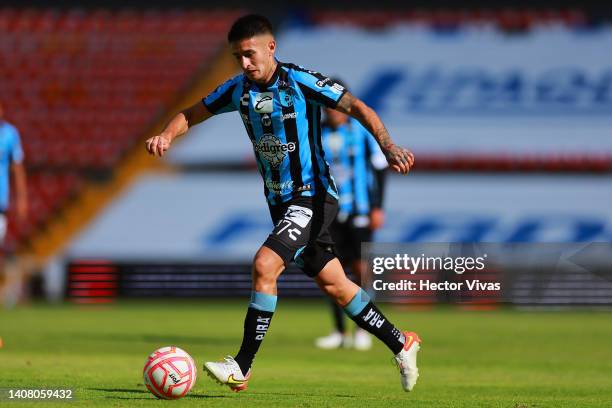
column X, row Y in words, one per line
column 256, row 325
column 372, row 320
column 338, row 317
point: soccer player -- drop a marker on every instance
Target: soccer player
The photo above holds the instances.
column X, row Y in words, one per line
column 11, row 161
column 358, row 167
column 280, row 106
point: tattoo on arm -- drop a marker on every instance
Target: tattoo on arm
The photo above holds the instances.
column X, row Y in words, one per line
column 382, row 136
column 367, row 117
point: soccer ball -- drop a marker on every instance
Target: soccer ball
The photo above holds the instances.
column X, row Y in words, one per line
column 169, row 373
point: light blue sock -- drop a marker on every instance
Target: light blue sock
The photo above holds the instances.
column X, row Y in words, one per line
column 263, row 301
column 357, row 304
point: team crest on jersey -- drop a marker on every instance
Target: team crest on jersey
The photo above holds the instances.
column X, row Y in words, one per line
column 286, row 97
column 263, row 102
column 272, row 149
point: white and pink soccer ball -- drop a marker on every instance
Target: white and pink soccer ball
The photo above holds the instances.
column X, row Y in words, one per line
column 169, row 373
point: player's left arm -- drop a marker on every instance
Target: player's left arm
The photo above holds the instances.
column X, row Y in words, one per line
column 400, row 159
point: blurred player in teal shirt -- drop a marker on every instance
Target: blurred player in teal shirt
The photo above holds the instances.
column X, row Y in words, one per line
column 358, row 167
column 11, row 161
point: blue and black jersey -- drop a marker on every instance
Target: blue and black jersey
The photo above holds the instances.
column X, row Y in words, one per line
column 283, row 121
column 357, row 165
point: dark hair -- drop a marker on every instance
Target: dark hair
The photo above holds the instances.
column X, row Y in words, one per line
column 249, row 26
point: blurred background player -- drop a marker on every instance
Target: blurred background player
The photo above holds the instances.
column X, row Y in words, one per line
column 358, row 167
column 11, row 161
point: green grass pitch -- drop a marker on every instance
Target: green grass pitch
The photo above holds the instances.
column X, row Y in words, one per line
column 502, row 358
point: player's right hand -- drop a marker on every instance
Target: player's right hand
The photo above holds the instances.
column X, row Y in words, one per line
column 157, row 145
column 399, row 159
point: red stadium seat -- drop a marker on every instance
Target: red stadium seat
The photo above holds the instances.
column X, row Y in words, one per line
column 77, row 77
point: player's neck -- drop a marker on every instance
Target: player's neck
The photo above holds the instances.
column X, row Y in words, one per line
column 270, row 75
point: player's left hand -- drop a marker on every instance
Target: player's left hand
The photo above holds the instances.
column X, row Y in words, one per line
column 399, row 159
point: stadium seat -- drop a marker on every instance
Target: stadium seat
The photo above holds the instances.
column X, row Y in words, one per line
column 74, row 77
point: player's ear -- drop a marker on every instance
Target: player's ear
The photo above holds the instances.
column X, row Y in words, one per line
column 272, row 46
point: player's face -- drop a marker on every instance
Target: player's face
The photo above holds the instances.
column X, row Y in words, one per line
column 255, row 56
column 335, row 118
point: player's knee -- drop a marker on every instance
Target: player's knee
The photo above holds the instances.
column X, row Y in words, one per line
column 264, row 264
column 266, row 268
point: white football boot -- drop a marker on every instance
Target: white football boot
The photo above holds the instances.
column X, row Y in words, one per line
column 227, row 372
column 333, row 341
column 406, row 361
column 362, row 340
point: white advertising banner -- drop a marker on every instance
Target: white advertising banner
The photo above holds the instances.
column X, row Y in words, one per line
column 224, row 218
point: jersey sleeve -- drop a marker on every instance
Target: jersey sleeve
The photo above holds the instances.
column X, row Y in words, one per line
column 319, row 88
column 16, row 152
column 221, row 99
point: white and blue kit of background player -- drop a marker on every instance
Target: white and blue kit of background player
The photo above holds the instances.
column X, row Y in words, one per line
column 10, row 152
column 283, row 121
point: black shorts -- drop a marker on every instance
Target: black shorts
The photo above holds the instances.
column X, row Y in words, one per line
column 301, row 233
column 348, row 236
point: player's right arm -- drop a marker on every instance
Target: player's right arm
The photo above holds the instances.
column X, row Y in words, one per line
column 325, row 91
column 179, row 125
column 218, row 101
column 399, row 159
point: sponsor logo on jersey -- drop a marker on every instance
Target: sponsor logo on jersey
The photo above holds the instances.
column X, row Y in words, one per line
column 321, row 82
column 298, row 215
column 263, row 102
column 285, row 186
column 244, row 100
column 272, row 150
column 337, row 88
column 266, row 120
column 279, row 187
column 286, row 116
